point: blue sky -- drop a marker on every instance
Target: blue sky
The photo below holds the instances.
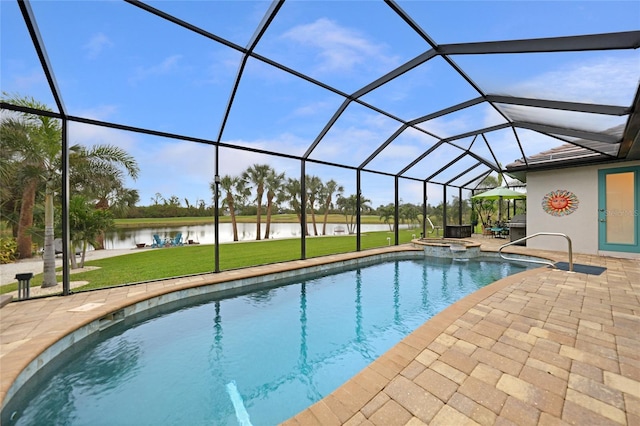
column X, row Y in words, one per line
column 116, row 63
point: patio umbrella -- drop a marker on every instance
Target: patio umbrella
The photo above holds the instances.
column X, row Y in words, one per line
column 500, row 193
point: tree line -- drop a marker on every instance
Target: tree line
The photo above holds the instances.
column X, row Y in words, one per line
column 262, row 187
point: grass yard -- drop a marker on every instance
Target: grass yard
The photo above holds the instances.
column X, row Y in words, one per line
column 155, row 264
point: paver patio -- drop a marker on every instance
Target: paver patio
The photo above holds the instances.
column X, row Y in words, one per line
column 541, row 347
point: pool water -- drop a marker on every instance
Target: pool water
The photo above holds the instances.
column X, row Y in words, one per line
column 257, row 358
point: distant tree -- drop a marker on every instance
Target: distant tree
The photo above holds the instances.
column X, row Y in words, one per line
column 233, row 187
column 314, row 188
column 409, row 213
column 273, row 185
column 257, row 175
column 387, row 214
column 124, row 202
column 292, row 192
column 329, row 189
column 157, row 198
column 348, row 206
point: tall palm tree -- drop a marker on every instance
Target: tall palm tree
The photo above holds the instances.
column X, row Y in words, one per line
column 273, row 185
column 349, row 207
column 234, row 187
column 257, row 174
column 328, row 190
column 40, row 155
column 125, row 200
column 19, row 181
column 292, row 191
column 314, row 189
column 387, row 214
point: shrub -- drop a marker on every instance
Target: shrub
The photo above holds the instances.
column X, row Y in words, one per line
column 8, row 250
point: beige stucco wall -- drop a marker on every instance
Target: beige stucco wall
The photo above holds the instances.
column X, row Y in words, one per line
column 581, row 225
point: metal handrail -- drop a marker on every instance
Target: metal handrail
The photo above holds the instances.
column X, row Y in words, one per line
column 543, row 262
column 433, row 228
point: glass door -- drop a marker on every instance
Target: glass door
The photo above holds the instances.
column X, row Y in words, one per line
column 618, row 209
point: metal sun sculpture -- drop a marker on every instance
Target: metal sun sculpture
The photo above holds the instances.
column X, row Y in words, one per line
column 560, row 202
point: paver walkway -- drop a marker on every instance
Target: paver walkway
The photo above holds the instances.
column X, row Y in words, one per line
column 541, row 347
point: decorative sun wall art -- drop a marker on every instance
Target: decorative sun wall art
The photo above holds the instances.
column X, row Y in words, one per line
column 560, row 202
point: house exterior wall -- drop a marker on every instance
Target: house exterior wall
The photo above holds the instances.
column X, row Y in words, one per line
column 581, row 225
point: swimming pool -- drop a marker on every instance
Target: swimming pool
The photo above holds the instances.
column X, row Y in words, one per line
column 262, row 356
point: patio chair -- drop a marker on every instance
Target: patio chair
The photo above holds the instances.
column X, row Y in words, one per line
column 177, row 241
column 157, row 242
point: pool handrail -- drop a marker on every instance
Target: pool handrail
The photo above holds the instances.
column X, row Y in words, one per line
column 544, row 262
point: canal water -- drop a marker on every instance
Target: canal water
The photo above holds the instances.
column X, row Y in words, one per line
column 204, row 234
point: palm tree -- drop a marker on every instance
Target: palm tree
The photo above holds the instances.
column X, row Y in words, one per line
column 232, row 186
column 314, row 188
column 125, row 200
column 328, row 190
column 257, row 174
column 40, row 155
column 19, row 181
column 409, row 212
column 98, row 173
column 387, row 214
column 273, row 185
column 349, row 207
column 292, row 192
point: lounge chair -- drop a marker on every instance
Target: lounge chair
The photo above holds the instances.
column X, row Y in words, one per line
column 157, row 242
column 177, row 241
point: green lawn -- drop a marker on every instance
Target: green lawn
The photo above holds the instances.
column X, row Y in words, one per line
column 154, row 264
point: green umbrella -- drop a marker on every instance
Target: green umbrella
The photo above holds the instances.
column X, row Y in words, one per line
column 500, row 193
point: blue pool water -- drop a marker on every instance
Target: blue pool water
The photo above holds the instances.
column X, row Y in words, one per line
column 259, row 357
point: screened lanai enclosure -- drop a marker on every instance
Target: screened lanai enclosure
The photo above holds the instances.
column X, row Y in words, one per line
column 341, row 106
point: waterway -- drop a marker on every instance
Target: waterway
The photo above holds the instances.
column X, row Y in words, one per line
column 204, row 234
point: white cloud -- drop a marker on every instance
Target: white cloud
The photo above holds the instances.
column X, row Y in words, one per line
column 96, row 44
column 100, row 112
column 89, row 135
column 313, row 108
column 26, row 82
column 604, row 80
column 339, row 48
column 167, row 66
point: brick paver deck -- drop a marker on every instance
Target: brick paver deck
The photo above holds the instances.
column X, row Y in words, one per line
column 541, row 347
